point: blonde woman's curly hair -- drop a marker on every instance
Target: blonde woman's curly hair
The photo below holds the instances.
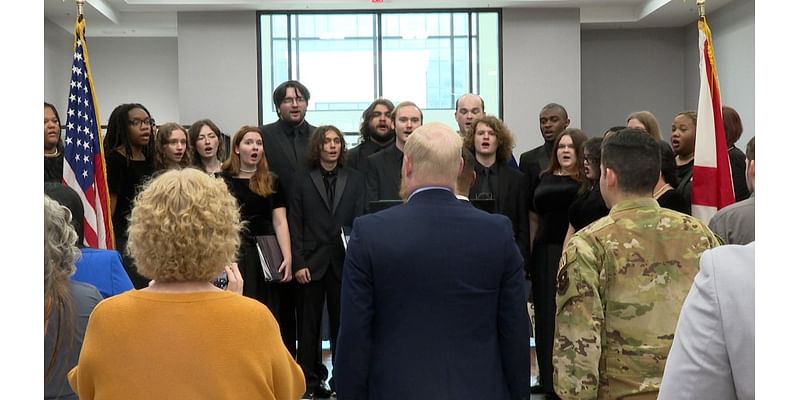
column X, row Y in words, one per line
column 184, row 226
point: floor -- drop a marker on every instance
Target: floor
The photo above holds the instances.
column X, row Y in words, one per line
column 326, row 359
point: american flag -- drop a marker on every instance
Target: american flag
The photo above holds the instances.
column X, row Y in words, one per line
column 84, row 162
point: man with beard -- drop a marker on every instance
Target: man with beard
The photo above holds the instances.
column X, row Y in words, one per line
column 377, row 133
column 383, row 171
column 425, row 313
column 285, row 148
column 286, row 140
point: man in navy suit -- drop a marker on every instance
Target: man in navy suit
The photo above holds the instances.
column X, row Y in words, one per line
column 425, row 312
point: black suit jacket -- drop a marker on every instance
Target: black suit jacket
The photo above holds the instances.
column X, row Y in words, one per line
column 316, row 227
column 511, row 195
column 357, row 156
column 383, row 174
column 428, row 311
column 279, row 149
column 532, row 163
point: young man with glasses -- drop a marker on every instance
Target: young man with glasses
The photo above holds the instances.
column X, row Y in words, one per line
column 285, row 147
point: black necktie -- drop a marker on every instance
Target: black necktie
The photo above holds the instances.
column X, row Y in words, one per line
column 296, row 138
column 485, row 190
column 329, row 177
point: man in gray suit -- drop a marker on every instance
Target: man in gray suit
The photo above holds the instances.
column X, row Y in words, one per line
column 713, row 354
column 736, row 223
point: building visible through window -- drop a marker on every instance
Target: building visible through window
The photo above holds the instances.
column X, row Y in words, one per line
column 349, row 59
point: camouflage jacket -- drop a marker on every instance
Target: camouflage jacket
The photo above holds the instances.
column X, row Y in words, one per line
column 621, row 283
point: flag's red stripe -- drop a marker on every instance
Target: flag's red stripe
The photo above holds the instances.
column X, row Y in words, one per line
column 724, row 180
column 100, row 181
column 705, row 190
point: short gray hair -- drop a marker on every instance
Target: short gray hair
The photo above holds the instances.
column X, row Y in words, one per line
column 435, row 149
column 60, row 251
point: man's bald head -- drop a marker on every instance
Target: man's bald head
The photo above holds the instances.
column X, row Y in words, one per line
column 432, row 157
column 469, row 108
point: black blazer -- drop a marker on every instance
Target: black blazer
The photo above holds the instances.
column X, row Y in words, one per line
column 511, row 195
column 357, row 156
column 383, row 174
column 315, row 228
column 279, row 150
column 532, row 163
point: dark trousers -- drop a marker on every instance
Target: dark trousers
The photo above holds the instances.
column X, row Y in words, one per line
column 545, row 259
column 310, row 301
column 138, row 280
column 278, row 297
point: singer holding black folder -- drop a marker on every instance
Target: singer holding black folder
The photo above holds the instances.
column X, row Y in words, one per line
column 262, row 206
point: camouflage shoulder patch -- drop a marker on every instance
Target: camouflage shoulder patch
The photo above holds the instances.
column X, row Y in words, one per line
column 563, row 282
column 568, row 257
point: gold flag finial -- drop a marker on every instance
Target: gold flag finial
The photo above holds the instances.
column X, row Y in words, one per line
column 80, row 4
column 701, row 8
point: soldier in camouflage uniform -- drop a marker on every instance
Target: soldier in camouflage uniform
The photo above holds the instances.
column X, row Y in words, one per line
column 622, row 281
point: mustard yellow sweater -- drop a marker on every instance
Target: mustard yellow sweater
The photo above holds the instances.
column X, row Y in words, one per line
column 205, row 345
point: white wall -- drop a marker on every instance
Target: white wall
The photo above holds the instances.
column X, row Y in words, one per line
column 57, row 66
column 136, row 70
column 217, row 65
column 541, row 64
column 631, row 70
column 733, row 36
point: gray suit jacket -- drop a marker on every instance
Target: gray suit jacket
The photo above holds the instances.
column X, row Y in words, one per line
column 713, row 354
column 736, row 223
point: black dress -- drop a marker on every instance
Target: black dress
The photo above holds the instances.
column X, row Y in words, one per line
column 256, row 214
column 588, row 207
column 125, row 179
column 53, row 168
column 551, row 202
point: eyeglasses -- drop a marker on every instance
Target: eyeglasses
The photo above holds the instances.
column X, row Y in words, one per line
column 139, row 122
column 290, row 100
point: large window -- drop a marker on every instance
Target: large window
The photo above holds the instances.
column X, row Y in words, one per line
column 349, row 59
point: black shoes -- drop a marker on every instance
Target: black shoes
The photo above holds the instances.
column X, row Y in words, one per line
column 322, row 391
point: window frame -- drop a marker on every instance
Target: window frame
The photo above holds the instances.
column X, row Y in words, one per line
column 472, row 37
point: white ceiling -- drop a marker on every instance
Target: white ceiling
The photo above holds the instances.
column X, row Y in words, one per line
column 159, row 17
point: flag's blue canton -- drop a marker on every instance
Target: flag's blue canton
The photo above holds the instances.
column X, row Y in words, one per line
column 81, row 143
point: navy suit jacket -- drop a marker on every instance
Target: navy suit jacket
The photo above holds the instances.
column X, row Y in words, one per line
column 429, row 309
